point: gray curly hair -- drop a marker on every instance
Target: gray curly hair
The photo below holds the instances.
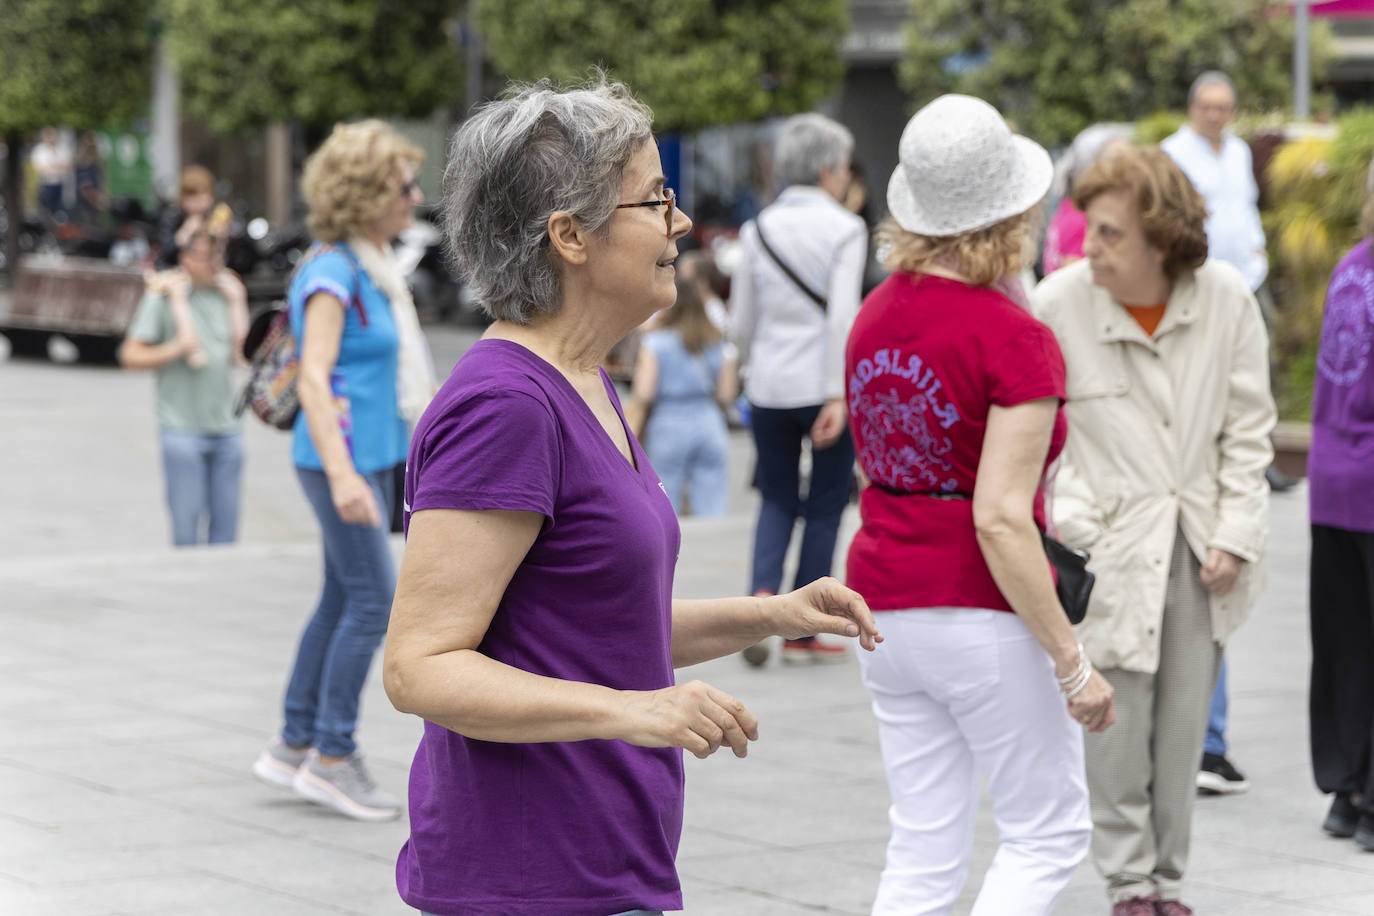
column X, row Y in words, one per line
column 516, row 162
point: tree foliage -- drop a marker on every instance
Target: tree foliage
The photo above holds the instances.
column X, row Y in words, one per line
column 695, row 62
column 81, row 63
column 1056, row 66
column 245, row 63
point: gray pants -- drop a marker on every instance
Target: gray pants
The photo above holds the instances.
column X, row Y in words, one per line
column 1142, row 772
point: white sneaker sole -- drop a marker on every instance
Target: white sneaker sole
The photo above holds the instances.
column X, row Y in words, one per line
column 312, row 787
column 1208, row 781
column 273, row 772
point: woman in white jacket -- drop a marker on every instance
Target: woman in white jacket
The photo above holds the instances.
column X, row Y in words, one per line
column 1163, row 481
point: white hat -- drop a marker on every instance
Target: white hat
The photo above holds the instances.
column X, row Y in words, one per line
column 962, row 169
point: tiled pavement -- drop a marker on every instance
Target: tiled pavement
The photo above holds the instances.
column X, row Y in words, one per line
column 137, row 684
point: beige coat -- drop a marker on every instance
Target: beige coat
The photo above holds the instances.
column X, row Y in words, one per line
column 1164, row 433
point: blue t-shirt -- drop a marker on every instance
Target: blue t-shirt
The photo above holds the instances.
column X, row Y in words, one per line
column 683, row 375
column 364, row 378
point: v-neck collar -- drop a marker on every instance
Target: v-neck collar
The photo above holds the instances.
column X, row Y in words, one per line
column 634, row 461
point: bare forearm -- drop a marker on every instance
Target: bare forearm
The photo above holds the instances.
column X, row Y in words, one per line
column 1016, row 559
column 322, row 421
column 139, row 355
column 481, row 698
column 711, row 628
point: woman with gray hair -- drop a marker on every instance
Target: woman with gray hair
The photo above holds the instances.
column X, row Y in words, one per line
column 793, row 299
column 534, row 627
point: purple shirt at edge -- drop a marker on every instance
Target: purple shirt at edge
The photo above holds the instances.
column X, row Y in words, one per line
column 582, row 828
column 1340, row 464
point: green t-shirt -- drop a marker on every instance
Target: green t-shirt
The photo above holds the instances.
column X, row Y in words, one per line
column 195, row 400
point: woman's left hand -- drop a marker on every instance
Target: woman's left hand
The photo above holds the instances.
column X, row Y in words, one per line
column 824, row 606
column 1219, row 573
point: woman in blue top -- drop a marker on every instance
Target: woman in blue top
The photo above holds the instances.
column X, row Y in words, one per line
column 683, row 373
column 363, row 377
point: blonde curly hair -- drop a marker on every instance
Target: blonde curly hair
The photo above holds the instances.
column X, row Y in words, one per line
column 984, row 256
column 353, row 176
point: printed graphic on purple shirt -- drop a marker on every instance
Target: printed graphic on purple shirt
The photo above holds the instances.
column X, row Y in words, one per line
column 1346, row 327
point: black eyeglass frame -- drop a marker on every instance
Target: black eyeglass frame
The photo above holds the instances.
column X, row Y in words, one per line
column 670, row 198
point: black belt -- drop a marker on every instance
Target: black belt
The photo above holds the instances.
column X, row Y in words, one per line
column 930, row 493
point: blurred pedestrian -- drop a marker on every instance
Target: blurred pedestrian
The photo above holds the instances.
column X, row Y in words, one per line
column 793, row 298
column 534, row 628
column 1219, row 165
column 53, row 166
column 1064, row 235
column 92, row 202
column 683, row 379
column 954, row 397
column 1340, row 476
column 189, row 212
column 364, row 376
column 202, row 453
column 1163, row 480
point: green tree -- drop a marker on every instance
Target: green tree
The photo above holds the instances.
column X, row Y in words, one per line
column 695, row 62
column 246, row 63
column 80, row 63
column 1056, row 66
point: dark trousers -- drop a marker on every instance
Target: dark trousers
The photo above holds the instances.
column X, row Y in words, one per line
column 1341, row 701
column 778, row 435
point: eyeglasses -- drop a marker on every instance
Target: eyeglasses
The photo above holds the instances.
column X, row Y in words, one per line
column 669, row 198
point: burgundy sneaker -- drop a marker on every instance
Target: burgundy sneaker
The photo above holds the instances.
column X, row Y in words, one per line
column 811, row 651
column 1172, row 908
column 1137, row 906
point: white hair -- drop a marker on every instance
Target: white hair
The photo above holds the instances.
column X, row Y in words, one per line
column 1210, row 78
column 808, row 143
column 516, row 162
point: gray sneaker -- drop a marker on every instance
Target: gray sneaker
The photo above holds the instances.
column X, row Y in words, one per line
column 346, row 787
column 277, row 764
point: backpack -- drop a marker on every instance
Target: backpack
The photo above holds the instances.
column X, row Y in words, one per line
column 271, row 387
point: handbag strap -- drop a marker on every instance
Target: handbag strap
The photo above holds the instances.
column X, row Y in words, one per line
column 791, row 274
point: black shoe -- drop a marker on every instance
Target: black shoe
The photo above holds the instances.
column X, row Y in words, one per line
column 1219, row 777
column 1364, row 832
column 1278, row 480
column 1343, row 817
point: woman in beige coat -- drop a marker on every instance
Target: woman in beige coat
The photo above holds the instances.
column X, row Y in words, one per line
column 1163, row 481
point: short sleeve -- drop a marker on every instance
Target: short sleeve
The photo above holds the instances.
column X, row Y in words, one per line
column 327, row 272
column 1028, row 366
column 496, row 450
column 150, row 322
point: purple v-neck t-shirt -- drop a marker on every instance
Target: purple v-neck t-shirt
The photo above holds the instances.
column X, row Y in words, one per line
column 584, row 828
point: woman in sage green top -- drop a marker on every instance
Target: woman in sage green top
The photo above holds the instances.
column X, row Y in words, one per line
column 202, row 454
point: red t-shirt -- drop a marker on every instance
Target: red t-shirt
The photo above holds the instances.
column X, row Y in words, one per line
column 926, row 359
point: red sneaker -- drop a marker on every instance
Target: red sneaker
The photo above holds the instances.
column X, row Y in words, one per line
column 1137, row 906
column 1172, row 908
column 811, row 651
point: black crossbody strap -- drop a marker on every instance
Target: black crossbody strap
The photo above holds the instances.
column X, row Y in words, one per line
column 791, row 275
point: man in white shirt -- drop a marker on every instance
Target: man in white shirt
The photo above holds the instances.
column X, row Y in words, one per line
column 793, row 299
column 1219, row 165
column 51, row 164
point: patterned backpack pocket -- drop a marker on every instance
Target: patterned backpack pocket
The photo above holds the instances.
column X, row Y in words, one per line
column 271, row 388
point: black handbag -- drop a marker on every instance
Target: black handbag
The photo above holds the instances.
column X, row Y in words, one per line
column 1075, row 580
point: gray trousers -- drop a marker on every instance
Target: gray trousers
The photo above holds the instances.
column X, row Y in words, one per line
column 1142, row 772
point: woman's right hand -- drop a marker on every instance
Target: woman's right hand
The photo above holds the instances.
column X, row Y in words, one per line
column 353, row 500
column 694, row 716
column 1093, row 707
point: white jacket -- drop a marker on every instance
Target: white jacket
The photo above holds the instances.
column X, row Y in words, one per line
column 1164, row 433
column 794, row 352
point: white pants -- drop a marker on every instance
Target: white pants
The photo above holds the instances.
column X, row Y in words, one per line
column 962, row 693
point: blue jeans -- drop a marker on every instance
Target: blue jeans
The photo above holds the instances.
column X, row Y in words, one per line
column 689, row 448
column 202, row 473
column 778, row 435
column 1216, row 717
column 349, row 622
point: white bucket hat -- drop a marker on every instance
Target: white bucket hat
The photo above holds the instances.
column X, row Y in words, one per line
column 962, row 169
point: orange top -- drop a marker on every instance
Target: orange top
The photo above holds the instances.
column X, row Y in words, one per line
column 1147, row 316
